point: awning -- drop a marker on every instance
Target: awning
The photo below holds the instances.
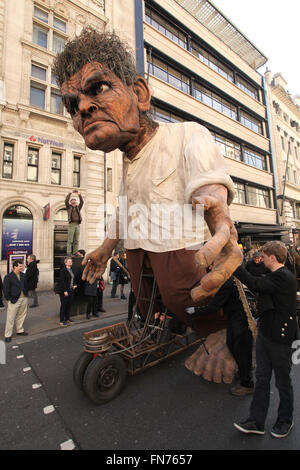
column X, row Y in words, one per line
column 261, row 230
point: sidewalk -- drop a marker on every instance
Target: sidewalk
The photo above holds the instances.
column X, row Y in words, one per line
column 45, row 317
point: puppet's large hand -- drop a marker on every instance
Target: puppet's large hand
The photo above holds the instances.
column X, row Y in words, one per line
column 95, row 264
column 216, row 366
column 222, row 250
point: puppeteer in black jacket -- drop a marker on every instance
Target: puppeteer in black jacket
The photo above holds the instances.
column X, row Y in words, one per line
column 277, row 303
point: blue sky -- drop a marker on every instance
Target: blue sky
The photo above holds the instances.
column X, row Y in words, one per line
column 273, row 27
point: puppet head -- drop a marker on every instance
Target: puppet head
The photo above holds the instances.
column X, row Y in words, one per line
column 103, row 93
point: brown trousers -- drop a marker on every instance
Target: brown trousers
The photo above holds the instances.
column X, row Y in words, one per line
column 176, row 274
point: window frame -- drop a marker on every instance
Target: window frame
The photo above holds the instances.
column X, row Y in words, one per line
column 75, row 172
column 30, row 165
column 9, row 163
column 55, row 170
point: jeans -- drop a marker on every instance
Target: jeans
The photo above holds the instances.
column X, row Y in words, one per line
column 272, row 357
column 73, row 238
column 65, row 306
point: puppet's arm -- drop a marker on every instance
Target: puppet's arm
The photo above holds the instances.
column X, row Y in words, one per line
column 222, row 250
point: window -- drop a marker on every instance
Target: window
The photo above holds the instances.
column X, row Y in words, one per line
column 228, row 148
column 251, row 122
column 282, row 143
column 58, row 43
column 240, row 195
column 255, row 159
column 45, row 94
column 215, row 101
column 8, row 156
column 258, row 197
column 168, row 74
column 37, row 95
column 109, row 182
column 161, row 115
column 56, row 104
column 166, row 28
column 40, row 14
column 76, row 172
column 32, row 164
column 40, row 36
column 245, row 86
column 50, row 35
column 56, row 168
column 211, row 61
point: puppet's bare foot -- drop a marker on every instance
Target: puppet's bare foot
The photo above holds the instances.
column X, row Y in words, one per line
column 216, row 366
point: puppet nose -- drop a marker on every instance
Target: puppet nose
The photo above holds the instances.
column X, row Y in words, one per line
column 86, row 106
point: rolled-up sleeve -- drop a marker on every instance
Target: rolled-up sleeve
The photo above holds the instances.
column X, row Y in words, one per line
column 204, row 163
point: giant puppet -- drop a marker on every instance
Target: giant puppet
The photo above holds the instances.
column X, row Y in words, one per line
column 164, row 163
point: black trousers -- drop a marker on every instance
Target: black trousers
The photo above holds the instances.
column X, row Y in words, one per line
column 65, row 306
column 278, row 358
column 240, row 343
column 92, row 304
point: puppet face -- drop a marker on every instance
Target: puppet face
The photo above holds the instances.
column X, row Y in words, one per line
column 104, row 110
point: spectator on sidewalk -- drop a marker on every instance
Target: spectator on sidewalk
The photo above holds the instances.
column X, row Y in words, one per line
column 123, row 277
column 66, row 288
column 100, row 290
column 16, row 295
column 74, row 219
column 2, row 306
column 114, row 275
column 90, row 291
column 32, row 279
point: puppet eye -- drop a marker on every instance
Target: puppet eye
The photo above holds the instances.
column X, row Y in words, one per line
column 100, row 87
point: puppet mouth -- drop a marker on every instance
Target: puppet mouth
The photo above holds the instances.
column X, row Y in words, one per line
column 89, row 126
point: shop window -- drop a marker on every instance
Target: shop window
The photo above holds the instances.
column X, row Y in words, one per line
column 16, row 232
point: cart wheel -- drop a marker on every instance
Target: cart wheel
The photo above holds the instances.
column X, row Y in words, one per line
column 104, row 379
column 80, row 367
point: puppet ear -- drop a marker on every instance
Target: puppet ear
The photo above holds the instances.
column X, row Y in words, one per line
column 142, row 91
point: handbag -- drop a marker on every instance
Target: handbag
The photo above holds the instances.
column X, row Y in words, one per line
column 102, row 285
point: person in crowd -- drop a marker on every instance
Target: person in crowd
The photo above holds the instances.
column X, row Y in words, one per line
column 90, row 291
column 32, row 279
column 100, row 290
column 15, row 292
column 238, row 335
column 74, row 219
column 66, row 291
column 255, row 266
column 114, row 275
column 277, row 329
column 123, row 277
column 80, row 253
column 2, row 306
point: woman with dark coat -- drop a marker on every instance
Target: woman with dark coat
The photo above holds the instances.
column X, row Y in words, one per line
column 66, row 286
column 32, row 279
column 90, row 291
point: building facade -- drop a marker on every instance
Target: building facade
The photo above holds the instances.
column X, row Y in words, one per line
column 285, row 129
column 42, row 157
column 201, row 68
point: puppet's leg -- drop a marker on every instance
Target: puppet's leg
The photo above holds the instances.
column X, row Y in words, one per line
column 214, row 361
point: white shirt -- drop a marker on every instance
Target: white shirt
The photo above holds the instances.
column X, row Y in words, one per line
column 179, row 159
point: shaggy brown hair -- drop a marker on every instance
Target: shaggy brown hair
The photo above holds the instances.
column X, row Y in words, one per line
column 89, row 46
column 276, row 248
